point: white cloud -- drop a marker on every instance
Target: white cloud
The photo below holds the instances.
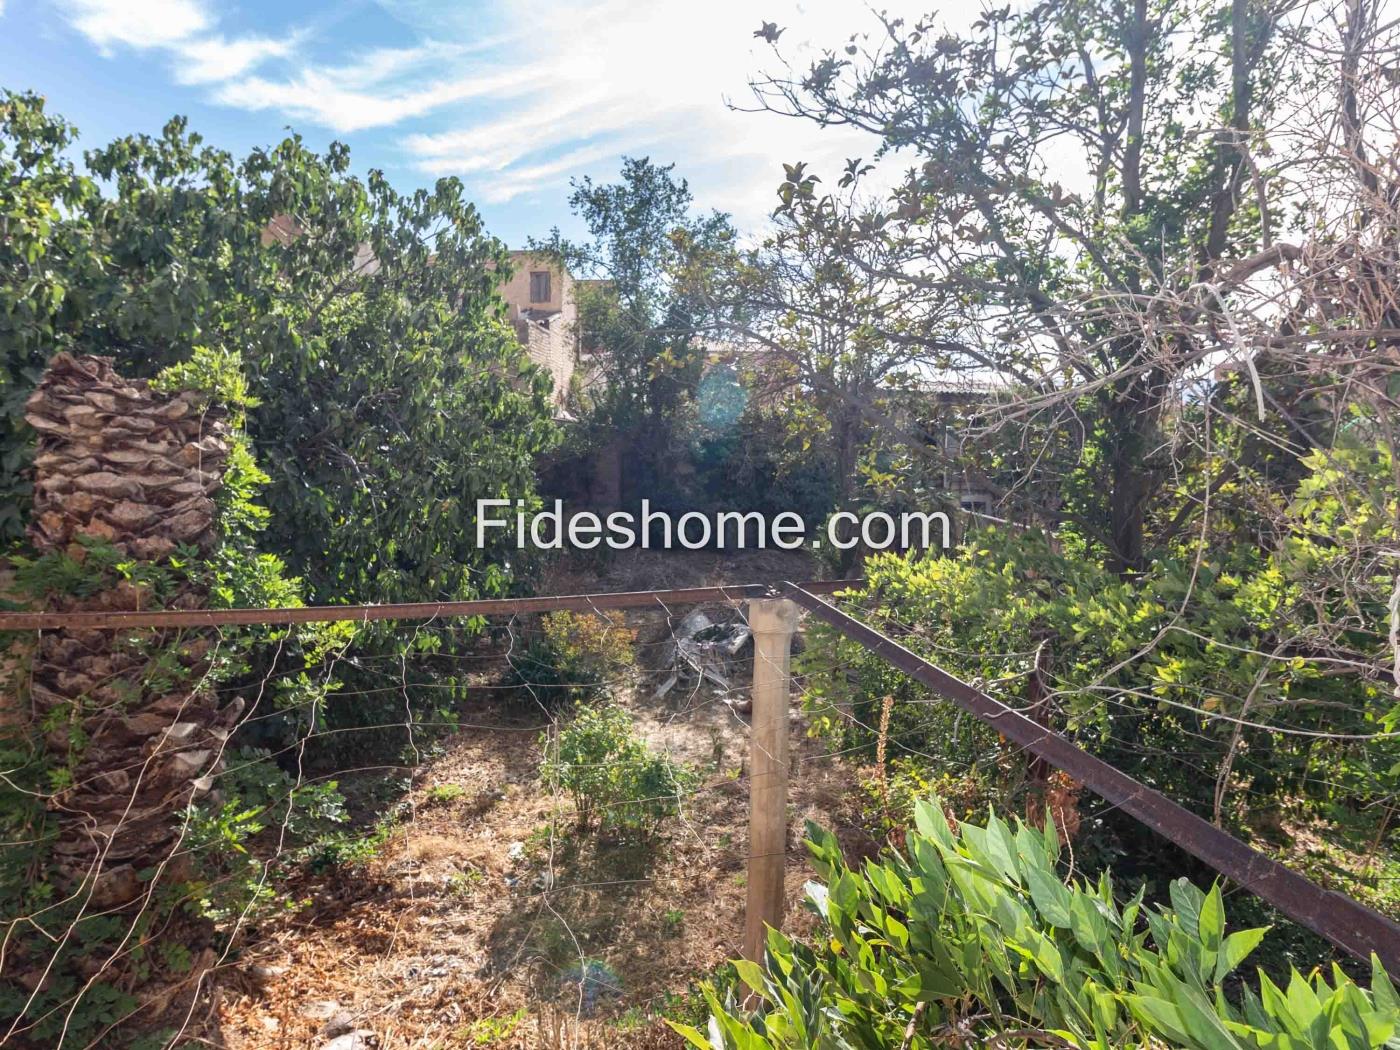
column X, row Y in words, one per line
column 651, row 78
column 353, row 98
column 518, row 107
column 137, row 23
column 497, row 143
column 214, row 58
column 530, row 178
column 184, row 29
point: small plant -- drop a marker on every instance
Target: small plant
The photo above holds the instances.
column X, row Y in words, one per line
column 488, row 1031
column 890, row 793
column 672, row 921
column 442, row 794
column 973, row 930
column 256, row 795
column 352, row 849
column 615, row 781
column 573, row 657
column 464, row 883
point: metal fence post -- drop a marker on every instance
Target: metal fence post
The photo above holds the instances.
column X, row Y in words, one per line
column 773, row 621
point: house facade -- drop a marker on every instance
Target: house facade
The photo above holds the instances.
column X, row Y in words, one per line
column 540, row 298
column 542, row 306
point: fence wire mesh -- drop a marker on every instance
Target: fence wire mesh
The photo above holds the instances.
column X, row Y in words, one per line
column 528, row 827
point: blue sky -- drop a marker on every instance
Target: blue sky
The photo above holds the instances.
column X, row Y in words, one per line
column 513, row 98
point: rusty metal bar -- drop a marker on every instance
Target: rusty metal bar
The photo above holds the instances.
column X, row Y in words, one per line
column 1348, row 924
column 44, row 621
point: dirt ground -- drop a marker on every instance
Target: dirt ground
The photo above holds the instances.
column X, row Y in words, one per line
column 487, row 920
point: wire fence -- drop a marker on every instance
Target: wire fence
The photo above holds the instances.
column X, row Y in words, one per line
column 259, row 821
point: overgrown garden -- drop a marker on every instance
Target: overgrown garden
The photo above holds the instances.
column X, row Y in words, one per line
column 1115, row 285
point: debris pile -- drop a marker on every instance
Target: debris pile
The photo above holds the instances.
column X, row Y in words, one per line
column 706, row 646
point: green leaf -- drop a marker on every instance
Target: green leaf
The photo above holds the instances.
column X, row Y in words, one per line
column 1211, row 919
column 1236, row 949
column 1050, row 895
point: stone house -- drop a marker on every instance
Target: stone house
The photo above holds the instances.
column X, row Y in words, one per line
column 543, row 308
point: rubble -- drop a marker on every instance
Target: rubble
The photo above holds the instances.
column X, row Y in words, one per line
column 704, row 649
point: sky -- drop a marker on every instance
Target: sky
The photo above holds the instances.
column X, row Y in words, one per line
column 513, row 98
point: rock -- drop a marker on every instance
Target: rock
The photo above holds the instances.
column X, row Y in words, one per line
column 360, row 1039
column 341, row 1022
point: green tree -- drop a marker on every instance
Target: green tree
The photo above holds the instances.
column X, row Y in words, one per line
column 388, row 394
column 1095, row 297
column 644, row 233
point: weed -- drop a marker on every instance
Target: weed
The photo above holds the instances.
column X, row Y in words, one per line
column 462, row 883
column 442, row 794
column 486, row 1031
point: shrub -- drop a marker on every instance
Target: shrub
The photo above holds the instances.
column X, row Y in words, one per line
column 232, row 878
column 1153, row 674
column 573, row 657
column 615, row 781
column 969, row 936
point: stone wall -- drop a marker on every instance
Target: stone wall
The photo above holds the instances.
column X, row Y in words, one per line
column 550, row 345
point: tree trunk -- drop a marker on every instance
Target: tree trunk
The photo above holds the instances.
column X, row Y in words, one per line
column 132, row 732
column 1129, row 486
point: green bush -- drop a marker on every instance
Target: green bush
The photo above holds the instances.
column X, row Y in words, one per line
column 615, row 781
column 969, row 937
column 1152, row 673
column 572, row 658
column 235, row 880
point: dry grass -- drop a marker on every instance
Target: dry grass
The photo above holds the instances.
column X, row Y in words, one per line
column 469, row 927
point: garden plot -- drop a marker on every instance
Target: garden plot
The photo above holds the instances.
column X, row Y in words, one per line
column 488, row 917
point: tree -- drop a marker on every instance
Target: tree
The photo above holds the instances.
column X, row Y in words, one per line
column 1096, row 297
column 389, row 394
column 645, row 321
column 824, row 322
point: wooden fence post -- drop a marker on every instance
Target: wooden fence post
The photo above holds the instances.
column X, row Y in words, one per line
column 773, row 621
